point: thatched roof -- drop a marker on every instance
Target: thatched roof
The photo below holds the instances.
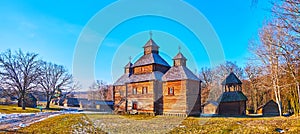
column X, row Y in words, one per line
column 231, row 79
column 233, row 96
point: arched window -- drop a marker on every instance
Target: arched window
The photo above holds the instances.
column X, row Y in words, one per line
column 134, row 90
column 171, row 91
column 145, row 90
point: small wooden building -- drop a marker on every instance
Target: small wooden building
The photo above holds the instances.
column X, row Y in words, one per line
column 210, row 107
column 30, row 101
column 268, row 109
column 232, row 101
column 71, row 102
column 97, row 105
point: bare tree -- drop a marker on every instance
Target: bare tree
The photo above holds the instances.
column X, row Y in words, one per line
column 207, row 75
column 224, row 69
column 19, row 72
column 287, row 22
column 98, row 91
column 53, row 78
column 268, row 53
column 213, row 77
column 254, row 74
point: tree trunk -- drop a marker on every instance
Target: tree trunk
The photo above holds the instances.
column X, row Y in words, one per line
column 255, row 101
column 298, row 90
column 23, row 102
column 277, row 101
column 48, row 102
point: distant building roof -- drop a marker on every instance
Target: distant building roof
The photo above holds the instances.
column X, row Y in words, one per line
column 269, row 102
column 211, row 102
column 96, row 102
column 31, row 96
column 231, row 79
column 179, row 73
column 233, row 96
column 152, row 58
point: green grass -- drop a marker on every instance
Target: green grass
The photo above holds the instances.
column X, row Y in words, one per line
column 238, row 125
column 68, row 123
column 7, row 109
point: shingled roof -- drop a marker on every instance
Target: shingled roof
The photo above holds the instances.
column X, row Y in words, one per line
column 179, row 73
column 152, row 58
column 126, row 78
column 231, row 79
column 156, row 75
column 151, row 42
column 128, row 65
column 122, row 80
column 179, row 56
column 233, row 96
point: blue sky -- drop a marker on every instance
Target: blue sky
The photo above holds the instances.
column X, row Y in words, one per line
column 51, row 28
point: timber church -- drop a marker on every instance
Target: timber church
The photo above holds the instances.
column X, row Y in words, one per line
column 151, row 85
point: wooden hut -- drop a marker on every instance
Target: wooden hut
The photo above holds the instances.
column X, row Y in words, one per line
column 210, row 107
column 232, row 101
column 71, row 102
column 268, row 109
column 30, row 101
column 96, row 105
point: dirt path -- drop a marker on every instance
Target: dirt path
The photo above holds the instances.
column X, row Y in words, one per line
column 11, row 122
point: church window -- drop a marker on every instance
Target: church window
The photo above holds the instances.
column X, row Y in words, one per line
column 171, row 91
column 121, row 93
column 134, row 90
column 145, row 90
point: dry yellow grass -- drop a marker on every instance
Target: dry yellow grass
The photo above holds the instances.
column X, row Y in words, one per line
column 8, row 109
column 68, row 123
column 93, row 123
column 239, row 125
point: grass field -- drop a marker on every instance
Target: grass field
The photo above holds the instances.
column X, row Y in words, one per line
column 67, row 123
column 162, row 124
column 7, row 109
column 95, row 123
column 239, row 125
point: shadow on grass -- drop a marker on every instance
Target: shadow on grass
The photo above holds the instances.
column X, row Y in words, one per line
column 54, row 109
